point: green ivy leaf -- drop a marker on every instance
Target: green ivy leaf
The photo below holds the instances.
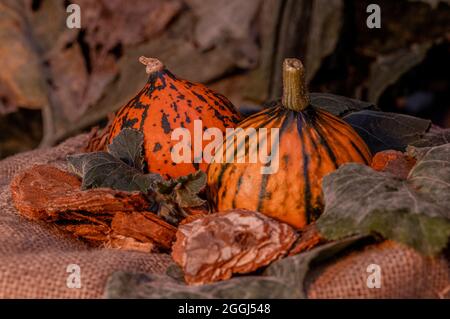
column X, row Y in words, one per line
column 387, row 131
column 127, row 146
column 434, row 137
column 185, row 189
column 123, row 285
column 294, row 269
column 283, row 279
column 101, row 169
column 339, row 105
column 415, row 211
column 121, row 168
column 178, row 194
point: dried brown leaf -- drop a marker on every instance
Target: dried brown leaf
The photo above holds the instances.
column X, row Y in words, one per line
column 70, row 75
column 21, row 81
column 215, row 246
column 218, row 20
column 127, row 22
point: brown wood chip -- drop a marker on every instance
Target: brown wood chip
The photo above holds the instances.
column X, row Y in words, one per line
column 144, row 226
column 44, row 191
column 215, row 246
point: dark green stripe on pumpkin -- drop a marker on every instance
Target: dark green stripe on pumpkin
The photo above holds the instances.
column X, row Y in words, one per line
column 263, row 114
column 224, row 192
column 274, row 115
column 238, row 187
column 305, row 156
column 285, row 117
column 357, row 149
column 313, row 141
column 223, row 168
column 324, row 143
column 262, row 191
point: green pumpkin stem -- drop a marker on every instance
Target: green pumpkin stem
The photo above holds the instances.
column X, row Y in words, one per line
column 295, row 94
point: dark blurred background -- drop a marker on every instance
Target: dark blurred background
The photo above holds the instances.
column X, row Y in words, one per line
column 56, row 82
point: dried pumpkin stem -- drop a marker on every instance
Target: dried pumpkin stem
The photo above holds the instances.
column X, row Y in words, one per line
column 295, row 95
column 152, row 65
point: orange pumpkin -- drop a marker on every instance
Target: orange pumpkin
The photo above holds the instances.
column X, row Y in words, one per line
column 165, row 103
column 312, row 143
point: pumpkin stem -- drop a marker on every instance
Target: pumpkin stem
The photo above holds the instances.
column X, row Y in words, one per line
column 152, row 65
column 295, row 95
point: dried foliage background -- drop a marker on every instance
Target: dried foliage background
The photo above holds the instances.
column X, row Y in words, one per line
column 55, row 81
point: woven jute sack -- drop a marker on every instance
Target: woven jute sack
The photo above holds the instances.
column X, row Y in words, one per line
column 384, row 270
column 36, row 259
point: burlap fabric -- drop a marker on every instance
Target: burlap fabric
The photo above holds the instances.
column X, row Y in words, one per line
column 34, row 257
column 404, row 273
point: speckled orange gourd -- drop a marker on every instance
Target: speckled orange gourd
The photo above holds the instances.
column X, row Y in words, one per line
column 164, row 104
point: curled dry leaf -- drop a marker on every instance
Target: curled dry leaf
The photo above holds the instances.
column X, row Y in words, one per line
column 393, row 162
column 215, row 246
column 44, row 191
column 109, row 22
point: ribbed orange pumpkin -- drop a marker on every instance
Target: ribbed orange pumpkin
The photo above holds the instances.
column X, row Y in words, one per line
column 312, row 143
column 166, row 103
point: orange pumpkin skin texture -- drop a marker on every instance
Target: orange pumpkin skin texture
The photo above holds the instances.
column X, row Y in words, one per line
column 164, row 104
column 312, row 143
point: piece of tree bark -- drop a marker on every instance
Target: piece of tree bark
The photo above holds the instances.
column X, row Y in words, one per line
column 44, row 191
column 215, row 246
column 100, row 216
column 144, row 226
column 128, row 243
column 95, row 234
